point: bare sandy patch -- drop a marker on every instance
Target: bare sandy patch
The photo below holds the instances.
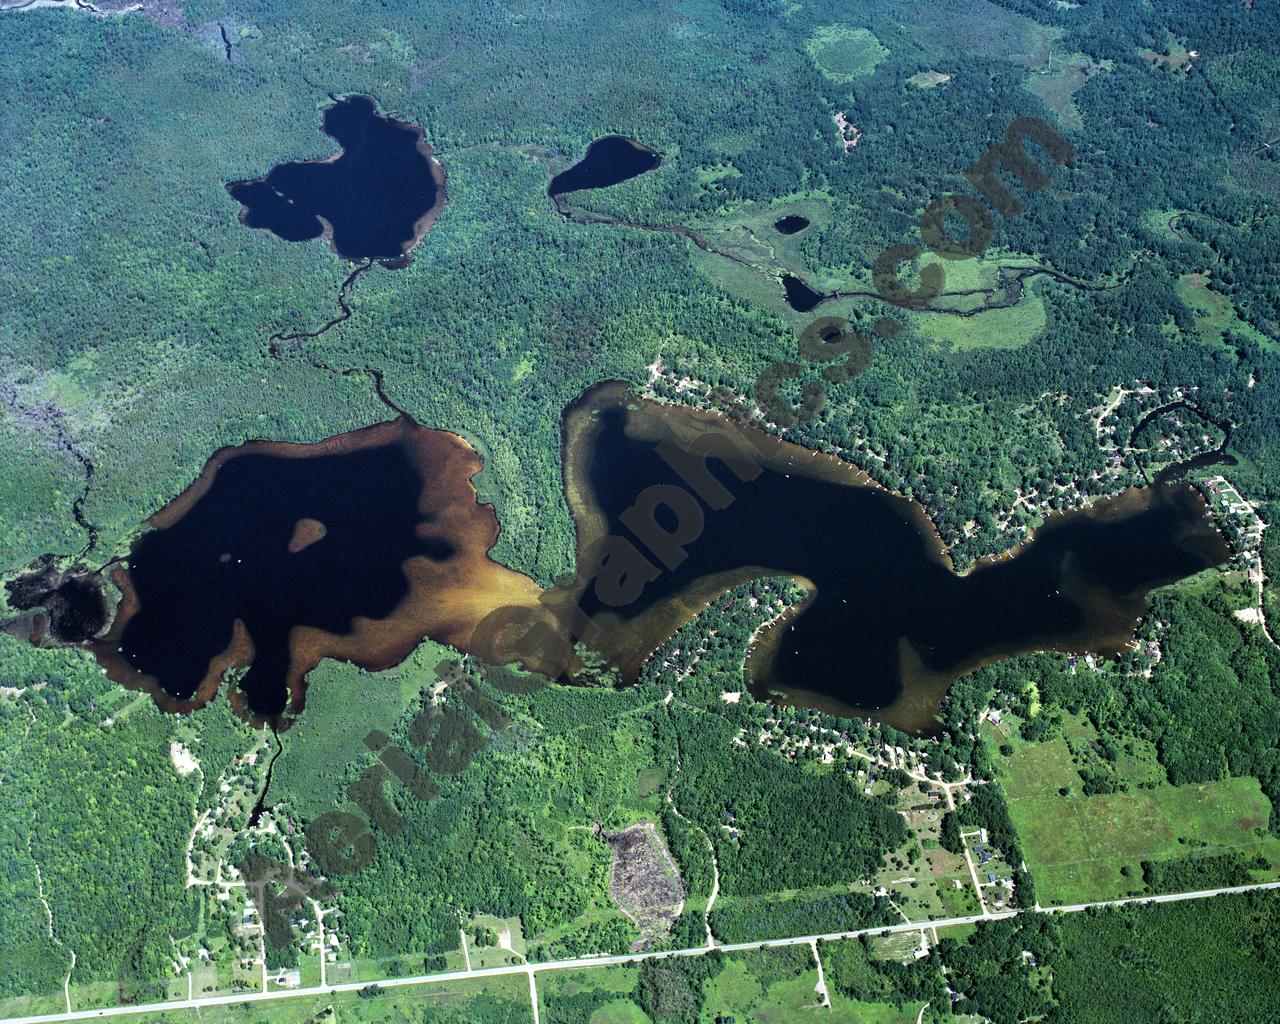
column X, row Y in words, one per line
column 306, row 532
column 183, row 760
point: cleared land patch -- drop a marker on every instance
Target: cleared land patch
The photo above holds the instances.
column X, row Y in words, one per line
column 1214, row 312
column 1057, row 83
column 844, row 53
column 928, row 79
column 1081, row 848
column 644, row 881
column 1176, row 57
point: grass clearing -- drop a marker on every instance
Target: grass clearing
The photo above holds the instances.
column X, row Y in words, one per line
column 1176, row 56
column 928, row 79
column 1079, row 847
column 900, row 946
column 1057, row 83
column 1008, row 328
column 844, row 53
column 978, row 272
column 504, row 943
column 618, row 1011
column 854, row 1011
column 1214, row 312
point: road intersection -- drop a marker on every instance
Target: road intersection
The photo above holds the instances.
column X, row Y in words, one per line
column 530, row 970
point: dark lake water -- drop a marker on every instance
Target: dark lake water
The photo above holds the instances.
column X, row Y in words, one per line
column 791, row 224
column 358, row 547
column 800, row 296
column 377, row 196
column 608, row 161
column 1179, row 470
column 282, row 554
column 891, row 625
column 73, row 606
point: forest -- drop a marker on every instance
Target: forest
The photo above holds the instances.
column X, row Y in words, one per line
column 558, row 306
column 143, row 329
column 1210, row 705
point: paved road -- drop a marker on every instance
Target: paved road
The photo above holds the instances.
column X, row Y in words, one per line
column 598, row 961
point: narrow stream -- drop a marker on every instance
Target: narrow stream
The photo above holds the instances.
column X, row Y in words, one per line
column 261, row 805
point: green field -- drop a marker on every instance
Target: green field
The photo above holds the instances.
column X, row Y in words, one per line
column 1058, row 82
column 1080, row 848
column 1214, row 313
column 929, row 79
column 1010, row 328
column 771, row 986
column 844, row 53
column 501, row 1000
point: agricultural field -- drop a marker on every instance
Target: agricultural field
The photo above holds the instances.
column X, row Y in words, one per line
column 768, row 985
column 1082, row 847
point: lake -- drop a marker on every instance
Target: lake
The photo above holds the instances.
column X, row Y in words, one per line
column 282, row 554
column 800, row 296
column 790, row 224
column 890, row 624
column 359, row 546
column 373, row 200
column 608, row 161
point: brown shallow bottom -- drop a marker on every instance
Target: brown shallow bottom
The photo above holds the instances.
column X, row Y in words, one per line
column 879, row 549
column 445, row 599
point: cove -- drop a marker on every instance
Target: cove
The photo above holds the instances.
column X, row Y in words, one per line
column 1175, row 470
column 373, row 200
column 608, row 161
column 889, row 624
column 282, row 554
